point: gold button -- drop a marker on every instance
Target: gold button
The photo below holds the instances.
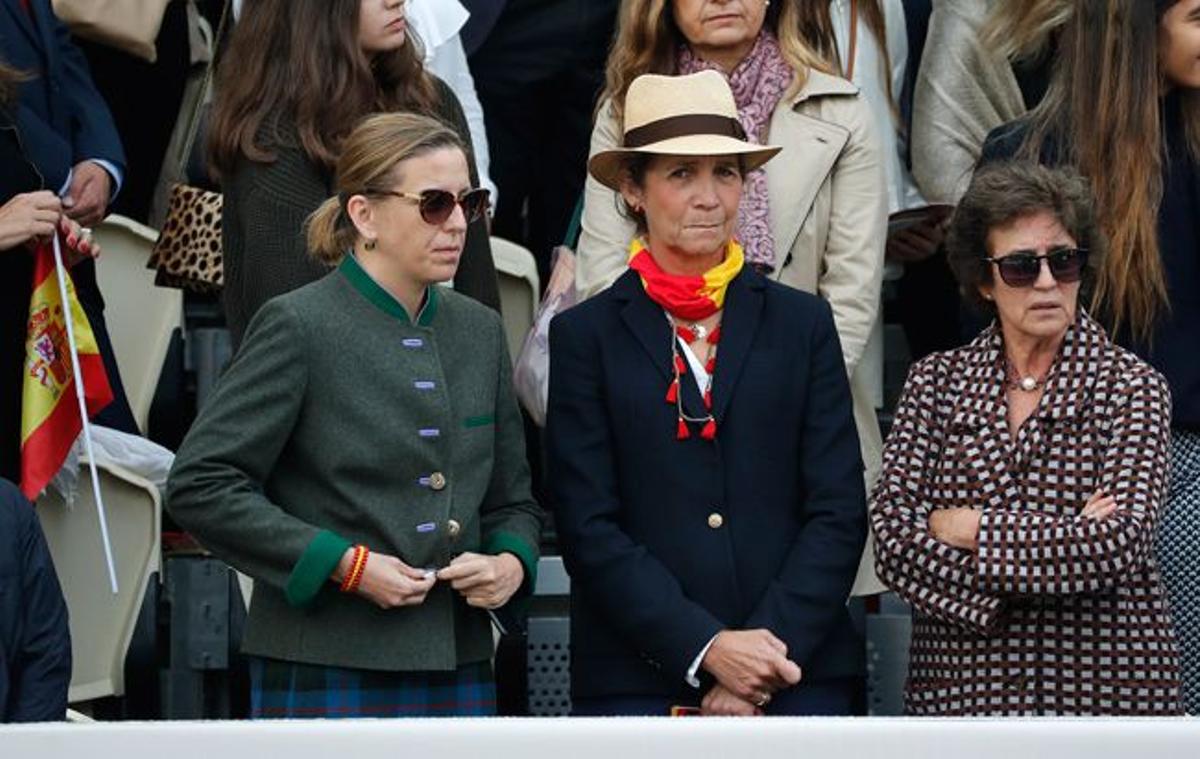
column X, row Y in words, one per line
column 715, row 520
column 453, row 528
column 437, row 481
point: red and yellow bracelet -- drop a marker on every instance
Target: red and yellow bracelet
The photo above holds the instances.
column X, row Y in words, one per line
column 357, row 565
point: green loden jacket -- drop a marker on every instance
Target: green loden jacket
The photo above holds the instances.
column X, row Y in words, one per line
column 339, row 422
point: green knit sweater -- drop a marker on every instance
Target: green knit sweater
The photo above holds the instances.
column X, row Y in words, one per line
column 341, row 422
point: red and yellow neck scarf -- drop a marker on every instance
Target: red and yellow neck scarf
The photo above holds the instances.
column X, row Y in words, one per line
column 690, row 298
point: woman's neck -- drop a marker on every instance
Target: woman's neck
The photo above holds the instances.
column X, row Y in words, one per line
column 680, row 264
column 725, row 58
column 1031, row 356
column 408, row 292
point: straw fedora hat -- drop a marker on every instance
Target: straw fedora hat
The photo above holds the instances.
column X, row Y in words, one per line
column 679, row 115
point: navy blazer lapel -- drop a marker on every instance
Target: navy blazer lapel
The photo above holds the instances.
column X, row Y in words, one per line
column 743, row 311
column 646, row 320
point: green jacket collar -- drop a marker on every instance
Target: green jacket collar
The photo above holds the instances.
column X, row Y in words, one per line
column 382, row 299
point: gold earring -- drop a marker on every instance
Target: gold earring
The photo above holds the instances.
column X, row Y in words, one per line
column 369, row 245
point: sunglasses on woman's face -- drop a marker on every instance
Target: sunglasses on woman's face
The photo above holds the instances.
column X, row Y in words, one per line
column 436, row 206
column 1022, row 268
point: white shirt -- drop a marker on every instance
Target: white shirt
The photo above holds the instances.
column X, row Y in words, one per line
column 437, row 24
column 868, row 75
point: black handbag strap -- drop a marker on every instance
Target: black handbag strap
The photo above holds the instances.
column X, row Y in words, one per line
column 205, row 88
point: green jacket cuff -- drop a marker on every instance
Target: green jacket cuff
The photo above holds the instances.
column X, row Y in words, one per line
column 314, row 567
column 507, row 542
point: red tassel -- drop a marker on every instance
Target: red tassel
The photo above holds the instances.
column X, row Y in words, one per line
column 673, row 392
column 710, row 430
column 708, row 399
column 711, row 365
column 680, row 364
column 682, row 432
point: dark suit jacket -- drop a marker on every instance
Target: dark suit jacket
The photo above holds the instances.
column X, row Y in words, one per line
column 62, row 117
column 35, row 642
column 654, row 573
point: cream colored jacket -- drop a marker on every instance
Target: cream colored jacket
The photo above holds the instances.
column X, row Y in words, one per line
column 828, row 206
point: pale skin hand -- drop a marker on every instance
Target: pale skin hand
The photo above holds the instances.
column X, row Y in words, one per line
column 960, row 527
column 35, row 215
column 486, row 582
column 720, row 702
column 387, row 582
column 87, row 198
column 28, row 216
column 751, row 664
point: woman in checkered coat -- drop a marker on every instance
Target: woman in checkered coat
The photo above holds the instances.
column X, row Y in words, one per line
column 1023, row 479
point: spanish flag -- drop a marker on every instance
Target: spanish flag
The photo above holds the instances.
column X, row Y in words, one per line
column 50, row 421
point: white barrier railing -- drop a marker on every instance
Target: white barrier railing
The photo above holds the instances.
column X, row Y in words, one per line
column 610, row 739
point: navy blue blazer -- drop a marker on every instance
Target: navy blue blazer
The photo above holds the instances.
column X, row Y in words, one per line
column 35, row 642
column 61, row 115
column 668, row 542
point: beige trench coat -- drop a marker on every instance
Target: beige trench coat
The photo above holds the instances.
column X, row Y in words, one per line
column 828, row 206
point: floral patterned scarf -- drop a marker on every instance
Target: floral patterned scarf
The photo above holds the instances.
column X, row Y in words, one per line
column 758, row 84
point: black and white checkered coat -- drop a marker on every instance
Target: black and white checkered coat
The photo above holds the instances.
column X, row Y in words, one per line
column 1055, row 614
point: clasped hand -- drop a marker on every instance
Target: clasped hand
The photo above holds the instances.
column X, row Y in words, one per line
column 487, row 582
column 750, row 666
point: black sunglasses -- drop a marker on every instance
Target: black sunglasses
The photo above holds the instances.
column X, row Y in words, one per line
column 1022, row 268
column 436, row 206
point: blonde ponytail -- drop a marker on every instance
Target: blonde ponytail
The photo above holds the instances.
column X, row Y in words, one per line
column 329, row 232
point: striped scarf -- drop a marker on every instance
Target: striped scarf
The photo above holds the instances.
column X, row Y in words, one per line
column 689, row 298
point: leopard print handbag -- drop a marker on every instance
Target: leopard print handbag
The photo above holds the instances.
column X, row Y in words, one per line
column 188, row 252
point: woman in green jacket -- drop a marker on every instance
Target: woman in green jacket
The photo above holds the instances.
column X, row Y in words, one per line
column 363, row 458
column 297, row 77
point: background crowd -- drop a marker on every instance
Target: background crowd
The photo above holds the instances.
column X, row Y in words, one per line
column 760, row 185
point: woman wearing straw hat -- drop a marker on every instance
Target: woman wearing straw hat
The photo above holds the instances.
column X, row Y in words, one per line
column 815, row 221
column 703, row 453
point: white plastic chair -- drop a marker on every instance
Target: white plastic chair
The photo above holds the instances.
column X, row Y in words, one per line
column 140, row 316
column 520, row 290
column 102, row 624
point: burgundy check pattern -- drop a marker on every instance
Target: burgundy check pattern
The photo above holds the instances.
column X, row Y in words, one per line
column 1055, row 613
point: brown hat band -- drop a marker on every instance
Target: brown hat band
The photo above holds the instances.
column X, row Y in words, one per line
column 684, row 126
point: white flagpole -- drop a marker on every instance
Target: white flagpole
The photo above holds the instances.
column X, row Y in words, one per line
column 61, row 271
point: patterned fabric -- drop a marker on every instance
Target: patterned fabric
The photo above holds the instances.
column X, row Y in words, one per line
column 1179, row 554
column 758, row 84
column 1055, row 614
column 291, row 690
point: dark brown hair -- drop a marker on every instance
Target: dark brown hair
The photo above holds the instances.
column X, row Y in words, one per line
column 1000, row 194
column 300, row 61
column 1102, row 115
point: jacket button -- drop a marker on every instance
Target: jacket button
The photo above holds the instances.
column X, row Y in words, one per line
column 437, row 481
column 715, row 520
column 453, row 528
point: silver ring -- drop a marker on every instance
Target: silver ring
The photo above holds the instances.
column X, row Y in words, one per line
column 762, row 701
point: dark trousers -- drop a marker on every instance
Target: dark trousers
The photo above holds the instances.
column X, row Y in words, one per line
column 828, row 698
column 538, row 74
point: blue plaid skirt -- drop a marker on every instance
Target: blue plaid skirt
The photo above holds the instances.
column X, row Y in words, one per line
column 291, row 690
